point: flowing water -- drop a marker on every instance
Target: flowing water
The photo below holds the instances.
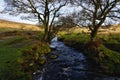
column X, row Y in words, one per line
column 69, row 65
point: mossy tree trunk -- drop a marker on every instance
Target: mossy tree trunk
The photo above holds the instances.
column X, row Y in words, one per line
column 93, row 34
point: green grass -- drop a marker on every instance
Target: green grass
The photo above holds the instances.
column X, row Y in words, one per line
column 77, row 37
column 106, row 56
column 113, row 55
column 9, row 67
column 110, row 38
column 82, row 37
column 11, row 54
column 108, row 60
column 111, row 41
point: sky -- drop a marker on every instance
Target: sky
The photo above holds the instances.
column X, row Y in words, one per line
column 10, row 17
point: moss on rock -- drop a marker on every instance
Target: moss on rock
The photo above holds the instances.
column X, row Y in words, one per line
column 53, row 56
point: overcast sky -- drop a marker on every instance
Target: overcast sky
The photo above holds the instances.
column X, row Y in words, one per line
column 17, row 18
column 10, row 17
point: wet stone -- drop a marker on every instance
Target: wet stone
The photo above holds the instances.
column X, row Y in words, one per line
column 53, row 56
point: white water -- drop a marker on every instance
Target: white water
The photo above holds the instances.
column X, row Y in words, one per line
column 54, row 42
column 54, row 39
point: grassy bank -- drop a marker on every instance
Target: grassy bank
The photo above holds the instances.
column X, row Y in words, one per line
column 104, row 51
column 13, row 57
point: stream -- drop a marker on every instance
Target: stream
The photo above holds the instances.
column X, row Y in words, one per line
column 69, row 65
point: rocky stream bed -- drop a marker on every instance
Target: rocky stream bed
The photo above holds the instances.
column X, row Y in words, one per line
column 69, row 65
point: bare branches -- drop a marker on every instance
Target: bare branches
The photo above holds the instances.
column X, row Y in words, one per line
column 95, row 12
column 55, row 12
column 37, row 7
column 100, row 9
column 45, row 11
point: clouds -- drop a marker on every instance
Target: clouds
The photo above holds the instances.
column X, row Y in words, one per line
column 64, row 11
column 10, row 17
column 15, row 18
column 2, row 5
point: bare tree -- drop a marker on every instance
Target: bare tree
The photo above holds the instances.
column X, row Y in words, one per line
column 45, row 11
column 67, row 21
column 95, row 12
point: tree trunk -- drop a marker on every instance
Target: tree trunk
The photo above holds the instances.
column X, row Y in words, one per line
column 93, row 34
column 45, row 35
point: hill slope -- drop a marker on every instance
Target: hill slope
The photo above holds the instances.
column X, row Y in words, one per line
column 15, row 25
column 109, row 29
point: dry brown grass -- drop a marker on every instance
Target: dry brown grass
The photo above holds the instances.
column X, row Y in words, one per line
column 11, row 26
column 112, row 29
column 17, row 26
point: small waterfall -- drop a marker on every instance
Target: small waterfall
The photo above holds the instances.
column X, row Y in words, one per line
column 54, row 39
column 54, row 42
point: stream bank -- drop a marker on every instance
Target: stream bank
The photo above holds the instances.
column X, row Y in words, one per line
column 69, row 65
